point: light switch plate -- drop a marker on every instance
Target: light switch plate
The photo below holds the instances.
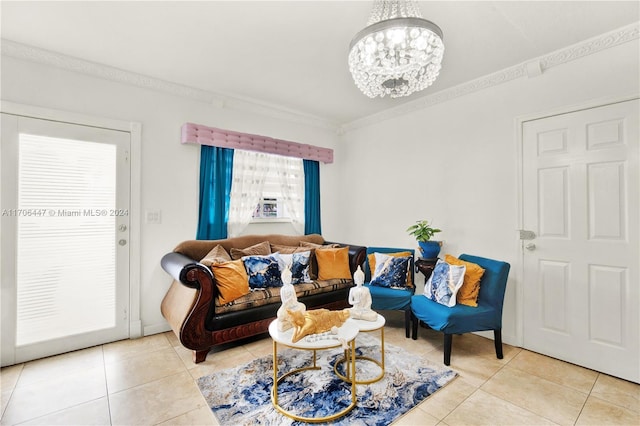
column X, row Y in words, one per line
column 153, row 217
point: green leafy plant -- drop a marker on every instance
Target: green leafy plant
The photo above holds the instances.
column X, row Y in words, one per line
column 422, row 231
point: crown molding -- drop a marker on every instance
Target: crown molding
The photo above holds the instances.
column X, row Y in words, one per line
column 541, row 64
column 545, row 62
column 46, row 57
column 94, row 69
column 590, row 46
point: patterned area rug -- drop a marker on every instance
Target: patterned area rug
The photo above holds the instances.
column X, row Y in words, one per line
column 241, row 395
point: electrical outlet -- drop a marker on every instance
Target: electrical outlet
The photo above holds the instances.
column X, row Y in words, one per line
column 153, row 217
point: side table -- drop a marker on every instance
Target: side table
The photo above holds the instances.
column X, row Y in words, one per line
column 365, row 326
column 425, row 267
column 348, row 331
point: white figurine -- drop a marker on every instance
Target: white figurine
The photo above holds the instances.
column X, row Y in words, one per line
column 360, row 299
column 289, row 302
column 286, row 275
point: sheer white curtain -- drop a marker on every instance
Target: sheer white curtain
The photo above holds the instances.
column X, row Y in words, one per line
column 290, row 173
column 249, row 173
column 256, row 175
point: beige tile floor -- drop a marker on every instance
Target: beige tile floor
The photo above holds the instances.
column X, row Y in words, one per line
column 151, row 381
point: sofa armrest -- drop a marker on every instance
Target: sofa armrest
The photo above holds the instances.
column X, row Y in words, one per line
column 189, row 300
column 357, row 255
column 181, row 268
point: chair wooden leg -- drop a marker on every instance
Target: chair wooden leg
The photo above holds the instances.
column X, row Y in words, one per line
column 448, row 338
column 497, row 336
column 414, row 326
column 407, row 321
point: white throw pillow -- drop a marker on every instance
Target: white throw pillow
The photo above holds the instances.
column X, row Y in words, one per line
column 298, row 264
column 444, row 283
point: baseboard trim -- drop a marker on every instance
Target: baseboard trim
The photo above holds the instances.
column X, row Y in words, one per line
column 156, row 329
column 509, row 339
column 135, row 329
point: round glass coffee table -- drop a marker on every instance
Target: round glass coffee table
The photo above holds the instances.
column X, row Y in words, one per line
column 347, row 332
column 365, row 326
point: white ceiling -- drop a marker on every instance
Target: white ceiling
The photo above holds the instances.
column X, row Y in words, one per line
column 293, row 54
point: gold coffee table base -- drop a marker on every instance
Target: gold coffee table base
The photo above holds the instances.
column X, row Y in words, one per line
column 365, row 326
column 361, row 358
column 284, row 340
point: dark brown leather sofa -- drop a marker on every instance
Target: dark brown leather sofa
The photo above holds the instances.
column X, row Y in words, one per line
column 200, row 323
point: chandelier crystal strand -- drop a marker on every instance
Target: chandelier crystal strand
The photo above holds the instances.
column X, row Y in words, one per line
column 398, row 53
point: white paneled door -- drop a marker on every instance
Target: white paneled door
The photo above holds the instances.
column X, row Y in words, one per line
column 581, row 275
column 65, row 237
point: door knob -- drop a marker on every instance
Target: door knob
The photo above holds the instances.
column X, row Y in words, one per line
column 122, row 242
column 530, row 246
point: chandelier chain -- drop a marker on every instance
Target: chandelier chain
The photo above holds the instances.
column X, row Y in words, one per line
column 389, row 9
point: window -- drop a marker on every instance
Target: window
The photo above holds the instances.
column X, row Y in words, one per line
column 273, row 206
column 228, row 198
column 270, row 209
column 266, row 187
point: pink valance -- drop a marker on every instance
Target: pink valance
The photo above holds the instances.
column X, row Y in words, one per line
column 203, row 135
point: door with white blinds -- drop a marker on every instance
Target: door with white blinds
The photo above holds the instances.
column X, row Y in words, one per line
column 65, row 234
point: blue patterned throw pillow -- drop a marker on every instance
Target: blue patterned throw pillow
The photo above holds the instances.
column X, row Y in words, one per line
column 263, row 271
column 298, row 263
column 390, row 271
column 444, row 283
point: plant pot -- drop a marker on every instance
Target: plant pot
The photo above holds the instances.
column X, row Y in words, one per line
column 430, row 249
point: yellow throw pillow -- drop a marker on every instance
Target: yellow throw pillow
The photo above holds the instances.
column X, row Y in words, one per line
column 217, row 255
column 231, row 279
column 372, row 264
column 313, row 269
column 468, row 293
column 260, row 249
column 333, row 263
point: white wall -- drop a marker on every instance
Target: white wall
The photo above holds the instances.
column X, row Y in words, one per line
column 170, row 170
column 456, row 163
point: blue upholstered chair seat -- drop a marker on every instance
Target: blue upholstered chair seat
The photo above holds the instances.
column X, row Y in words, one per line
column 389, row 299
column 456, row 320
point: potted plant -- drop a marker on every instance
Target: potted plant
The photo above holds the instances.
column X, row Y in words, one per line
column 423, row 232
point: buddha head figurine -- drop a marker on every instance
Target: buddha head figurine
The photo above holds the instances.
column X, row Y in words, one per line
column 358, row 276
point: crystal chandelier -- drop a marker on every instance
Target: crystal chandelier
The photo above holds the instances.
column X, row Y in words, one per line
column 398, row 53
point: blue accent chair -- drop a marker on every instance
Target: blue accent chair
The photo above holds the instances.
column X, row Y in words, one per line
column 390, row 299
column 465, row 319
